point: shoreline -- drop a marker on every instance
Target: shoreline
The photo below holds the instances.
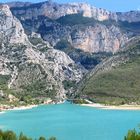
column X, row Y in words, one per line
column 5, row 109
column 18, row 108
column 93, row 105
column 113, row 107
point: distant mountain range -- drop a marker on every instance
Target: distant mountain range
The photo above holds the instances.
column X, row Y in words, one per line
column 49, row 50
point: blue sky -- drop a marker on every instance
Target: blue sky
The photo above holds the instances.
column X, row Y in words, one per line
column 113, row 5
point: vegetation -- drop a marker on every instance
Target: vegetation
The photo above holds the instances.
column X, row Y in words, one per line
column 117, row 86
column 10, row 135
column 130, row 26
column 69, row 84
column 36, row 41
column 4, row 81
column 132, row 135
column 80, row 101
column 88, row 60
column 79, row 19
column 76, row 19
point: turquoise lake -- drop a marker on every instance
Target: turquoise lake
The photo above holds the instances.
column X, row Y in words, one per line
column 71, row 122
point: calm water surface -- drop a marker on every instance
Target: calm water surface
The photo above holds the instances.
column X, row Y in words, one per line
column 71, row 122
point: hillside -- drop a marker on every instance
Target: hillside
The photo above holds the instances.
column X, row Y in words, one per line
column 117, row 80
column 31, row 71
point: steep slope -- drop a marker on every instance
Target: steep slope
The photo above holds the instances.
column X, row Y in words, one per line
column 11, row 30
column 85, row 29
column 115, row 81
column 32, row 73
column 77, row 23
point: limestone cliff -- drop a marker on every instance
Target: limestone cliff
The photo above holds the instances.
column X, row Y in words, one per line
column 55, row 11
column 11, row 30
column 32, row 70
column 52, row 22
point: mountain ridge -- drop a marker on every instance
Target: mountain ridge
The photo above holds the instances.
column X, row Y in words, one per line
column 87, row 9
column 43, row 57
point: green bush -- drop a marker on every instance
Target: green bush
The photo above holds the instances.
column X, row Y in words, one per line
column 132, row 135
column 76, row 19
column 4, row 81
column 10, row 135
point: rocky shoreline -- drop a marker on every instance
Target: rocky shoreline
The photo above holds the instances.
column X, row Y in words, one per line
column 4, row 108
column 8, row 108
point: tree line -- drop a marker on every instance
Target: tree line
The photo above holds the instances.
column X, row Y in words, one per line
column 10, row 135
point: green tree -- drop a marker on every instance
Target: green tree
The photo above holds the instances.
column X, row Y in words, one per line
column 52, row 138
column 42, row 138
column 132, row 135
column 9, row 135
column 23, row 137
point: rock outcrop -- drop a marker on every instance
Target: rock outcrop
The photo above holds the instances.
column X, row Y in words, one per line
column 99, row 39
column 55, row 11
column 11, row 30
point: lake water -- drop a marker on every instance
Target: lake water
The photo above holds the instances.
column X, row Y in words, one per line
column 71, row 122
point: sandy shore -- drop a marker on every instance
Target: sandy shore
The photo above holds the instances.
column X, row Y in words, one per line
column 19, row 108
column 24, row 107
column 2, row 112
column 120, row 107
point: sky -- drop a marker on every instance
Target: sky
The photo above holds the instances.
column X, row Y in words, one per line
column 112, row 5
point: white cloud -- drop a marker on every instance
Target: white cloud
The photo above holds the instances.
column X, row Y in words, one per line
column 138, row 8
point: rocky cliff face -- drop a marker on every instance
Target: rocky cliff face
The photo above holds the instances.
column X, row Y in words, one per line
column 11, row 30
column 35, row 70
column 93, row 38
column 55, row 11
column 99, row 39
column 48, row 19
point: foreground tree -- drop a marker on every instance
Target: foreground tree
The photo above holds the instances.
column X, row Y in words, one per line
column 10, row 135
column 132, row 135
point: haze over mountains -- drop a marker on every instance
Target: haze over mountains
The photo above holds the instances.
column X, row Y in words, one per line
column 47, row 48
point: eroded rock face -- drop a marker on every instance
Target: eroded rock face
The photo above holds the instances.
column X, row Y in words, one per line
column 39, row 68
column 55, row 11
column 91, row 38
column 99, row 39
column 50, row 68
column 11, row 30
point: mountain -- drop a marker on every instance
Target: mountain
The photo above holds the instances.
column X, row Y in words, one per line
column 84, row 27
column 49, row 50
column 11, row 29
column 30, row 71
column 54, row 11
column 85, row 33
column 116, row 80
column 78, row 23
